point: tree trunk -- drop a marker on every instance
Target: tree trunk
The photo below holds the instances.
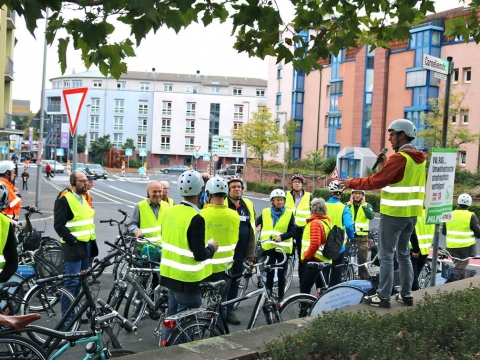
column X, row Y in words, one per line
column 261, row 168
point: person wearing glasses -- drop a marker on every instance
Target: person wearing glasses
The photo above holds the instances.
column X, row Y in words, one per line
column 402, row 180
column 166, row 189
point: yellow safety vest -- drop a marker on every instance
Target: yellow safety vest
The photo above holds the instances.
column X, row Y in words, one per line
column 251, row 211
column 425, row 234
column 170, row 202
column 270, row 232
column 178, row 262
column 221, row 225
column 4, row 228
column 306, row 242
column 150, row 226
column 361, row 222
column 82, row 225
column 405, row 198
column 302, row 211
column 335, row 211
column 459, row 234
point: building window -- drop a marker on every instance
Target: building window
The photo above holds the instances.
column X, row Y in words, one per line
column 165, row 143
column 76, row 83
column 168, row 87
column 97, row 83
column 336, row 87
column 143, row 108
column 189, row 142
column 454, row 119
column 327, row 92
column 121, row 85
column 467, row 75
column 237, row 91
column 238, row 112
column 164, row 160
column 142, row 141
column 464, row 118
column 195, row 89
column 190, row 110
column 144, row 86
column 279, row 99
column 54, row 103
column 93, row 136
column 279, row 73
column 260, row 92
column 190, row 127
column 117, row 140
column 119, row 106
column 166, row 108
column 142, row 124
column 95, row 106
column 66, row 84
column 188, row 89
column 94, row 122
column 166, row 125
column 215, row 90
column 417, row 78
column 118, row 123
column 463, row 157
column 237, row 126
column 455, row 75
column 236, row 146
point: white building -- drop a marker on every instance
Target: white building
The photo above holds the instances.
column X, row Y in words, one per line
column 172, row 116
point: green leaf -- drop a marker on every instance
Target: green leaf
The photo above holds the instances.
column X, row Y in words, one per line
column 62, row 53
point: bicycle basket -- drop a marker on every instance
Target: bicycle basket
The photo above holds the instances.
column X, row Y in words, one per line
column 48, row 263
column 30, row 240
column 453, row 274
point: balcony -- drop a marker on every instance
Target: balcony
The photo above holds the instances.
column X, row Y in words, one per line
column 53, row 108
column 10, row 20
column 8, row 69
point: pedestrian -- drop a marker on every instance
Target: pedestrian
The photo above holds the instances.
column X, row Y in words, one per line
column 48, row 170
column 277, row 225
column 238, row 172
column 420, row 244
column 202, row 198
column 298, row 200
column 7, row 177
column 8, row 243
column 402, row 180
column 27, row 161
column 314, row 236
column 25, row 176
column 245, row 248
column 74, row 224
column 462, row 231
column 166, row 189
column 362, row 213
column 185, row 249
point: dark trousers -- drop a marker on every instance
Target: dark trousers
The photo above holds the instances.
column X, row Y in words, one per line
column 333, row 275
column 25, row 186
column 298, row 248
column 49, row 174
column 417, row 264
column 310, row 277
column 276, row 257
column 237, row 268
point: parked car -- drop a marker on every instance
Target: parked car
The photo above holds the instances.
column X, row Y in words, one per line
column 175, row 169
column 231, row 169
column 56, row 166
column 80, row 166
column 96, row 170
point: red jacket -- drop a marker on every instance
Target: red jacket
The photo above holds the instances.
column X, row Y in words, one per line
column 48, row 168
column 317, row 235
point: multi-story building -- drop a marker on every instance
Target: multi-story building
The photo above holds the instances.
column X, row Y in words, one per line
column 177, row 118
column 359, row 92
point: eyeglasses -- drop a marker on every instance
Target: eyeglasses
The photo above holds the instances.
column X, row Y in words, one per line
column 83, row 181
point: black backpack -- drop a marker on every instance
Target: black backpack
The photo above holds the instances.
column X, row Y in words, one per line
column 334, row 244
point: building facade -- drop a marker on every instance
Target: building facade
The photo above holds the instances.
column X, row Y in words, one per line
column 177, row 118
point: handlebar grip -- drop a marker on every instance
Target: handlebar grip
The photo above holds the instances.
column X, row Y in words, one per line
column 105, row 221
column 110, row 244
column 122, row 212
column 125, row 323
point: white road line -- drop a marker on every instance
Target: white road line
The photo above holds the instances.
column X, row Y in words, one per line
column 110, row 196
column 127, row 192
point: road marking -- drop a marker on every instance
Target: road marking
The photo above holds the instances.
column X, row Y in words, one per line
column 127, row 192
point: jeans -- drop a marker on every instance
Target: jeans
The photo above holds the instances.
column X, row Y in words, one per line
column 73, row 285
column 395, row 232
column 179, row 301
column 237, row 268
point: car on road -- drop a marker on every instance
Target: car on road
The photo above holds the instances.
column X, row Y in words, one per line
column 80, row 166
column 56, row 166
column 231, row 169
column 96, row 170
column 175, row 169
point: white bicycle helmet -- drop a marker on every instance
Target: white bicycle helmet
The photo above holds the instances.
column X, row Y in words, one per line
column 465, row 199
column 3, row 196
column 277, row 193
column 335, row 187
column 189, row 183
column 363, row 192
column 6, row 165
column 404, row 125
column 216, row 186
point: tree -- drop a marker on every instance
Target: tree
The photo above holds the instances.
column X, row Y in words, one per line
column 256, row 25
column 260, row 135
column 289, row 127
column 315, row 160
column 129, row 144
column 81, row 143
column 101, row 146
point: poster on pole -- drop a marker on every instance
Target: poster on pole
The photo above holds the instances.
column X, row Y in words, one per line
column 440, row 184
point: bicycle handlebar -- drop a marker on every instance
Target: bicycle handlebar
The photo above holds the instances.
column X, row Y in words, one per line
column 125, row 322
column 445, row 252
column 113, row 221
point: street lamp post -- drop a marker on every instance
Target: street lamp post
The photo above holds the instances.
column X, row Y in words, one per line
column 284, row 145
column 87, row 138
column 248, row 118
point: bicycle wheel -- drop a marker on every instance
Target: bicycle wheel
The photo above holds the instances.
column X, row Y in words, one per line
column 424, row 280
column 349, row 273
column 46, row 302
column 242, row 289
column 18, row 347
column 296, row 306
column 193, row 330
column 136, row 307
column 119, row 267
column 114, row 354
column 289, row 273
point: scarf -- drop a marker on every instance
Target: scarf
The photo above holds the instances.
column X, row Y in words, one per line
column 276, row 214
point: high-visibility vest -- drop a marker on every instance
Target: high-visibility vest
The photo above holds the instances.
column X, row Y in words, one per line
column 335, row 211
column 361, row 221
column 178, row 262
column 221, row 225
column 405, row 198
column 14, row 202
column 270, row 232
column 425, row 234
column 459, row 234
column 151, row 226
column 170, row 202
column 302, row 211
column 306, row 242
column 251, row 211
column 4, row 228
column 82, row 225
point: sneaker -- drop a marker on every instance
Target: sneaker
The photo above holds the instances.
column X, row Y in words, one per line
column 376, row 300
column 404, row 299
column 232, row 319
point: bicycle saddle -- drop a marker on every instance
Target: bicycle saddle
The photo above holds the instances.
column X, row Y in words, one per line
column 18, row 322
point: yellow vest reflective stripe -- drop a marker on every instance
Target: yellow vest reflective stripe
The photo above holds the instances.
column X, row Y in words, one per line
column 270, row 232
column 151, row 226
column 251, row 211
column 306, row 242
column 459, row 234
column 221, row 225
column 178, row 262
column 405, row 198
column 361, row 222
column 82, row 225
column 4, row 227
column 302, row 211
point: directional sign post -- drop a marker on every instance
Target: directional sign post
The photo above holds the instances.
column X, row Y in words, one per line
column 128, row 153
column 143, row 154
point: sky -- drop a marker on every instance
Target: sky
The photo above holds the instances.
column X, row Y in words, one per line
column 209, row 50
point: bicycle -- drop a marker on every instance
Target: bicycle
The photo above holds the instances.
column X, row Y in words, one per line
column 200, row 323
column 16, row 347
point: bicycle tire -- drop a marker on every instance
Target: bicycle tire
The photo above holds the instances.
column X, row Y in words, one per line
column 288, row 276
column 51, row 313
column 242, row 289
column 296, row 306
column 18, row 347
column 135, row 307
column 118, row 268
column 198, row 329
column 116, row 296
column 424, row 280
column 349, row 273
column 114, row 354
